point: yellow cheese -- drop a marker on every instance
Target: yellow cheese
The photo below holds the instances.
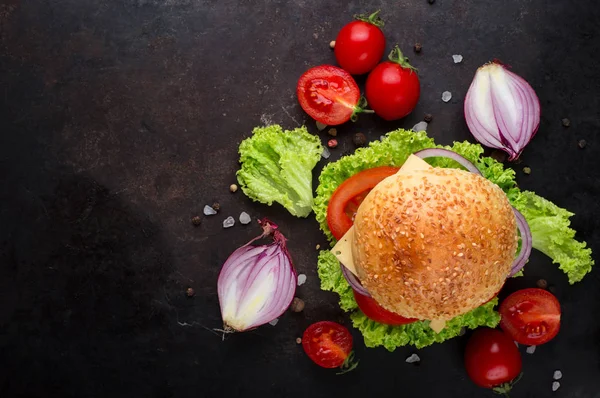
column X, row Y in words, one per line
column 343, row 249
column 437, row 325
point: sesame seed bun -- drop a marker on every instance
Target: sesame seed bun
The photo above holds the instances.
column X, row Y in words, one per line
column 434, row 244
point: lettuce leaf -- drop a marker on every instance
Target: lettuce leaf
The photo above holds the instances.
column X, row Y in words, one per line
column 276, row 166
column 549, row 226
column 552, row 236
column 418, row 334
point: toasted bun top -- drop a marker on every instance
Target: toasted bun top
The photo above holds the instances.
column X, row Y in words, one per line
column 434, row 244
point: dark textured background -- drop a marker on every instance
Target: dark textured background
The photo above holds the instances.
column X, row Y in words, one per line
column 120, row 120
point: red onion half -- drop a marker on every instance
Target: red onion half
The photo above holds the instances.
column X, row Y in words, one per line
column 501, row 109
column 257, row 283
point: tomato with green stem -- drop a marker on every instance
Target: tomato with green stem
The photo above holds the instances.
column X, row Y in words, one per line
column 492, row 360
column 360, row 44
column 393, row 88
column 330, row 95
column 329, row 345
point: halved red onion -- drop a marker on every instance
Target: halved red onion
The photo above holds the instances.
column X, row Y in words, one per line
column 353, row 281
column 501, row 109
column 257, row 283
column 446, row 153
column 526, row 243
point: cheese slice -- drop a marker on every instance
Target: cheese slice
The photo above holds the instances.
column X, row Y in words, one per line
column 437, row 325
column 343, row 248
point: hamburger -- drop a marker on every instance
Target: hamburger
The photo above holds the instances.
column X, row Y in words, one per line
column 431, row 243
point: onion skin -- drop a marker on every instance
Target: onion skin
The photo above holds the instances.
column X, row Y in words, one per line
column 501, row 109
column 257, row 283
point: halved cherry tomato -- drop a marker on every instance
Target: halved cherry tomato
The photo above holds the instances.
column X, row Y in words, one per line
column 376, row 312
column 492, row 359
column 328, row 94
column 360, row 44
column 530, row 316
column 349, row 195
column 327, row 343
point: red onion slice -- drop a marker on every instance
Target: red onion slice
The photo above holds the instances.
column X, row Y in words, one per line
column 526, row 243
column 353, row 281
column 446, row 153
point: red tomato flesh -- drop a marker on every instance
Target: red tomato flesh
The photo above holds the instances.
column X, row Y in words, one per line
column 530, row 316
column 359, row 47
column 492, row 358
column 376, row 312
column 349, row 195
column 392, row 91
column 328, row 94
column 327, row 343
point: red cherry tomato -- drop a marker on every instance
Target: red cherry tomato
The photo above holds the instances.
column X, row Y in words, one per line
column 530, row 316
column 393, row 87
column 492, row 359
column 360, row 45
column 328, row 344
column 349, row 195
column 376, row 312
column 328, row 94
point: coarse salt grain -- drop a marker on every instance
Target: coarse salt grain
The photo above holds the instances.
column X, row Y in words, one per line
column 245, row 218
column 301, row 279
column 446, row 96
column 530, row 349
column 421, row 126
column 321, row 126
column 457, row 58
column 555, row 385
column 274, row 322
column 557, row 375
column 413, row 358
column 228, row 222
column 209, row 211
column 325, row 153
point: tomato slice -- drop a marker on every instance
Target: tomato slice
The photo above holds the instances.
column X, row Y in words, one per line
column 327, row 343
column 328, row 94
column 349, row 195
column 376, row 312
column 530, row 316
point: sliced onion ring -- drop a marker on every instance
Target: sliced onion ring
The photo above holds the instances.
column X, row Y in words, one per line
column 526, row 243
column 446, row 153
column 353, row 281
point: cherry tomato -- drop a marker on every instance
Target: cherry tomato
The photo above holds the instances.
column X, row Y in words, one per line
column 328, row 94
column 376, row 312
column 492, row 359
column 360, row 44
column 348, row 196
column 530, row 316
column 393, row 87
column 328, row 344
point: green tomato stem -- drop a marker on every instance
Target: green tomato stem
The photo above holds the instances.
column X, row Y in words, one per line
column 373, row 19
column 397, row 57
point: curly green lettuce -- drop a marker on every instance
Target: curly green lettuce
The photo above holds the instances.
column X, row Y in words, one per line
column 276, row 166
column 549, row 226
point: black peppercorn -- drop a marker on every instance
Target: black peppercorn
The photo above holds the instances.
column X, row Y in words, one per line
column 359, row 139
column 418, row 47
column 196, row 220
column 428, row 117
